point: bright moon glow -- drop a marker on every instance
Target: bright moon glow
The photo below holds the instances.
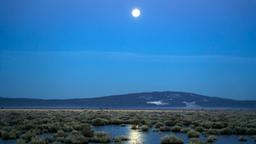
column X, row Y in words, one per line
column 135, row 12
column 135, row 136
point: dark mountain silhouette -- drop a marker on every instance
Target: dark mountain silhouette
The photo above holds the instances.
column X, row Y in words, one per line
column 151, row 100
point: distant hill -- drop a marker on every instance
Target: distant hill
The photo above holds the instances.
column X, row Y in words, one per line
column 146, row 100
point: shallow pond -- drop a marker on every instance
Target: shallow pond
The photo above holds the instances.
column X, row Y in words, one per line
column 152, row 137
column 7, row 141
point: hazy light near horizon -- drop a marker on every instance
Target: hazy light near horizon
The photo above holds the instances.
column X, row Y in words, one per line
column 136, row 12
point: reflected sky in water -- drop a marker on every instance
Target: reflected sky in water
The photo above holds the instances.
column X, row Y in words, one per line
column 151, row 137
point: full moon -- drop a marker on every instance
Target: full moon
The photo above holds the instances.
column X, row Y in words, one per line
column 136, row 12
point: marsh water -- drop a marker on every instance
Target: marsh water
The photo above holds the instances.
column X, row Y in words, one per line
column 7, row 141
column 153, row 137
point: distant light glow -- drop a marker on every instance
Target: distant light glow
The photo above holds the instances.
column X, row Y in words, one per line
column 136, row 12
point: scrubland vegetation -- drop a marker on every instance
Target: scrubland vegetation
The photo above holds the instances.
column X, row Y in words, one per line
column 76, row 126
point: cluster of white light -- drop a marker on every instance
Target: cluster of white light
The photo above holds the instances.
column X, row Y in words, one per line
column 136, row 12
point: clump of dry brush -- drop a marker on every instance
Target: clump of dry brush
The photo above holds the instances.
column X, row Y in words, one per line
column 76, row 126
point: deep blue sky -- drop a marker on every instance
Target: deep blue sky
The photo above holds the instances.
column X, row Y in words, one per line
column 86, row 48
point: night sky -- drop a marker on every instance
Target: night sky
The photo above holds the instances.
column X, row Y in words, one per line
column 86, row 48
